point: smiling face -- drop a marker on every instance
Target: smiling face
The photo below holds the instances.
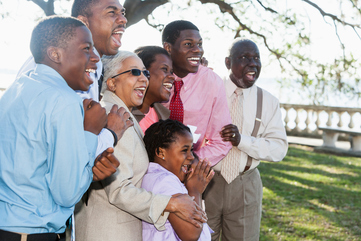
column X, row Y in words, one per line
column 244, row 63
column 178, row 157
column 161, row 79
column 107, row 24
column 78, row 60
column 186, row 52
column 129, row 88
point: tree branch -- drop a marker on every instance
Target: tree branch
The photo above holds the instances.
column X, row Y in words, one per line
column 355, row 6
column 225, row 7
column 47, row 7
column 137, row 9
column 267, row 8
column 333, row 17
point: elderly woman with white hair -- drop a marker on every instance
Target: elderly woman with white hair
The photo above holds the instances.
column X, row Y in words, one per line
column 115, row 206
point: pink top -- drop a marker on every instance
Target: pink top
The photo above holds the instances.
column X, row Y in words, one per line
column 161, row 181
column 205, row 107
column 149, row 118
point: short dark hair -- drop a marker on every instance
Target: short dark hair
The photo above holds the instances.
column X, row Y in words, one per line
column 53, row 31
column 236, row 43
column 147, row 54
column 161, row 134
column 172, row 31
column 83, row 8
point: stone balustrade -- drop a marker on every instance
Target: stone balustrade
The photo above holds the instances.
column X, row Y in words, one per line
column 304, row 120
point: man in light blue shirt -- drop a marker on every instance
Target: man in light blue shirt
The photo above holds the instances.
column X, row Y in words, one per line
column 107, row 29
column 47, row 137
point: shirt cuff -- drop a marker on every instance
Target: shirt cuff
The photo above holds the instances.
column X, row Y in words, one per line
column 91, row 141
column 245, row 143
column 157, row 210
column 105, row 140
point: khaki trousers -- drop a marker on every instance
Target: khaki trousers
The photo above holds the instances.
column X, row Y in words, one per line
column 234, row 210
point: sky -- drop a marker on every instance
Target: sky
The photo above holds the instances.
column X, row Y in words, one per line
column 17, row 27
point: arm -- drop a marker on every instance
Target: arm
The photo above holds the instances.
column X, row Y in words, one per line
column 270, row 145
column 196, row 184
column 118, row 122
column 120, row 188
column 216, row 149
column 71, row 154
column 123, row 194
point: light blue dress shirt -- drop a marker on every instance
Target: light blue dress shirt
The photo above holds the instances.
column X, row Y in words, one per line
column 46, row 157
column 105, row 137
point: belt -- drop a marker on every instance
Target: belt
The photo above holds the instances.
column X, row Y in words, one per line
column 11, row 236
column 218, row 173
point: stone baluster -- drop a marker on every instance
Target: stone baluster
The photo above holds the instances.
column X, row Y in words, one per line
column 287, row 119
column 308, row 120
column 340, row 123
column 297, row 120
column 318, row 122
column 329, row 121
column 351, row 124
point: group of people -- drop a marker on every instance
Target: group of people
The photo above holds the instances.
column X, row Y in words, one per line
column 98, row 143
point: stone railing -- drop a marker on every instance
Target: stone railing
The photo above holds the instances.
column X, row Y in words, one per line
column 304, row 120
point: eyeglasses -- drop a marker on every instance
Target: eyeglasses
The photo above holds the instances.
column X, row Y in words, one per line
column 135, row 72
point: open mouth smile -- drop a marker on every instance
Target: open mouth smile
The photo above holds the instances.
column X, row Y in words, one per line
column 194, row 61
column 140, row 91
column 251, row 75
column 88, row 71
column 186, row 168
column 116, row 36
column 168, row 86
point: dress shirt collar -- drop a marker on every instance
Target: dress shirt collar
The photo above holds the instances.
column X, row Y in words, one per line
column 52, row 75
column 231, row 87
column 188, row 79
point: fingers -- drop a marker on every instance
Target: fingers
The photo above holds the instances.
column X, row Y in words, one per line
column 95, row 118
column 201, row 214
column 204, row 62
column 114, row 109
column 86, row 103
column 111, row 158
column 203, row 164
column 128, row 123
column 206, row 171
column 229, row 126
column 229, row 130
column 210, row 176
column 119, row 120
column 105, row 165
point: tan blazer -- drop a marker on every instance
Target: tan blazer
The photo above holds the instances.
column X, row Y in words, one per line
column 116, row 204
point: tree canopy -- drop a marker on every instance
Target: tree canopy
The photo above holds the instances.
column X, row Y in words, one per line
column 283, row 29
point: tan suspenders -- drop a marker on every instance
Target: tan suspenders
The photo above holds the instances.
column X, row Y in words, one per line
column 257, row 123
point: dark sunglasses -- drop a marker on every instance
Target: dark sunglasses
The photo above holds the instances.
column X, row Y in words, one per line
column 135, row 72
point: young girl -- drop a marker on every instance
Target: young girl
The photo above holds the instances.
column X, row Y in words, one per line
column 169, row 145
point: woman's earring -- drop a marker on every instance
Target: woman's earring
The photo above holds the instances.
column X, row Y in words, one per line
column 163, row 158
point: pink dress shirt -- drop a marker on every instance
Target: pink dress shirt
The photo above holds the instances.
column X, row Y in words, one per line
column 205, row 107
column 150, row 118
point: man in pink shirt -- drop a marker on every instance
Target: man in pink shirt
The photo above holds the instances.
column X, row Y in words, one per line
column 203, row 105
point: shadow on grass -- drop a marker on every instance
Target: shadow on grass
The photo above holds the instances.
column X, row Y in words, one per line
column 311, row 196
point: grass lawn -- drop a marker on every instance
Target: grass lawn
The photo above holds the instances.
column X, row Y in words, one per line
column 311, row 196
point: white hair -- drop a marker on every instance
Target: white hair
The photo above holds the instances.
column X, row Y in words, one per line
column 112, row 64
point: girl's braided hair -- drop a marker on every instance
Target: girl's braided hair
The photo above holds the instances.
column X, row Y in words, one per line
column 161, row 134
